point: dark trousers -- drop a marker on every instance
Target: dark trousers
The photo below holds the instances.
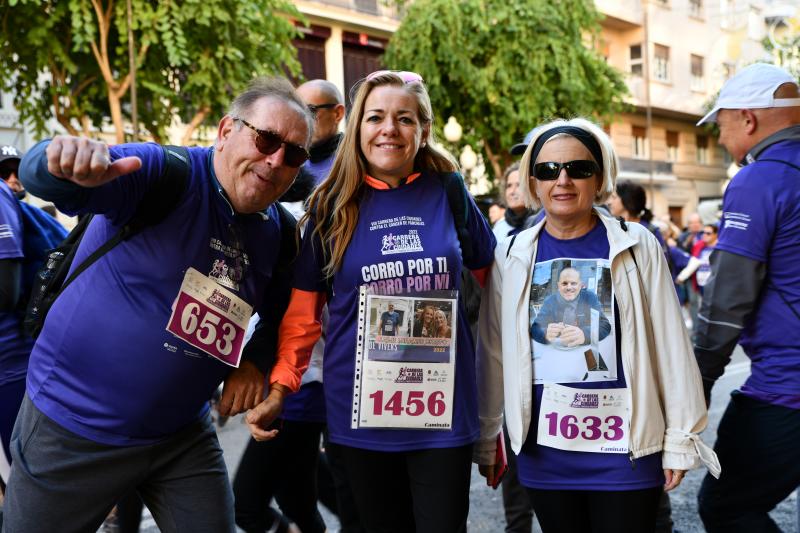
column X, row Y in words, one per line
column 129, row 513
column 285, row 468
column 10, row 399
column 758, row 446
column 423, row 491
column 516, row 504
column 66, row 483
column 343, row 499
column 584, row 511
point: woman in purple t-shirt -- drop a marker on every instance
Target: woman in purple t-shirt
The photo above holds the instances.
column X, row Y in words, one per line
column 603, row 416
column 401, row 408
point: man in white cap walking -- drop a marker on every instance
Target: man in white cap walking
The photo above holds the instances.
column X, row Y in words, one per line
column 753, row 298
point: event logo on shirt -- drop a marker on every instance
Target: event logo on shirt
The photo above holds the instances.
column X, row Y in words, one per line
column 736, row 220
column 409, row 375
column 225, row 275
column 219, row 300
column 401, row 243
column 585, row 401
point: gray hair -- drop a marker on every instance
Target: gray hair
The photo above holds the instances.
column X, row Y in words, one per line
column 270, row 87
column 610, row 162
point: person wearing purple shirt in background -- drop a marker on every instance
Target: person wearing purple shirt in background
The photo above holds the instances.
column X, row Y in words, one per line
column 19, row 260
column 114, row 400
column 15, row 346
column 753, row 297
column 325, row 101
column 581, row 477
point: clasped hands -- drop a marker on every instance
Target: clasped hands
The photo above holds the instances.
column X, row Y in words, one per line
column 569, row 336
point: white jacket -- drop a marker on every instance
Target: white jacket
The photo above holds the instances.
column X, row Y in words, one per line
column 664, row 385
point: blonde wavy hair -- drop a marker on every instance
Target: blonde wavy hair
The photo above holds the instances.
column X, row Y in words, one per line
column 335, row 203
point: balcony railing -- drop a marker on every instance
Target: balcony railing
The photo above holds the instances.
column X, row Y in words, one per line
column 369, row 7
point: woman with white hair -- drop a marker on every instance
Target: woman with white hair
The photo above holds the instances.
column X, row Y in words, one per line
column 601, row 425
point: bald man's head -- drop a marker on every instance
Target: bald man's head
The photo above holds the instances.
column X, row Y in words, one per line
column 569, row 283
column 325, row 99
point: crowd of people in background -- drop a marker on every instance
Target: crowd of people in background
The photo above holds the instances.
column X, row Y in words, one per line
column 582, row 384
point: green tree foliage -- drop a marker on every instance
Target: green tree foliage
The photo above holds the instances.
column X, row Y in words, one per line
column 68, row 59
column 503, row 66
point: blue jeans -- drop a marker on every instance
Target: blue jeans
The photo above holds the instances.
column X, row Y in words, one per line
column 757, row 446
column 63, row 482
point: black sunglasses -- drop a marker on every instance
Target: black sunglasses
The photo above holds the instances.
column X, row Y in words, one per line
column 269, row 142
column 580, row 169
column 5, row 173
column 316, row 107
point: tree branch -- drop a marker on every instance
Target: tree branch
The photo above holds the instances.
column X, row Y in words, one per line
column 493, row 159
column 101, row 54
column 197, row 119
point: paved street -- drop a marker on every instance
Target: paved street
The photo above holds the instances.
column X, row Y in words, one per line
column 486, row 513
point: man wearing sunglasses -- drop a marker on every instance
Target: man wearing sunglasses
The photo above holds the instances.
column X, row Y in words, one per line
column 9, row 167
column 324, row 100
column 131, row 351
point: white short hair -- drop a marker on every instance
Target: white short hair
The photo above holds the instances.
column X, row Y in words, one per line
column 610, row 162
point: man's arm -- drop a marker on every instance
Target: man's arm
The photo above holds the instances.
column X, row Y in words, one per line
column 62, row 169
column 729, row 297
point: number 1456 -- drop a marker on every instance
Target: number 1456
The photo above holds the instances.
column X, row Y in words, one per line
column 415, row 403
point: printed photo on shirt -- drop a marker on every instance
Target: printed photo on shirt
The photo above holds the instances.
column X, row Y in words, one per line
column 432, row 319
column 572, row 321
column 409, row 329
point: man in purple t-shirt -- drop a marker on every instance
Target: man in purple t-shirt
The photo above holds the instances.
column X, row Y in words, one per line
column 131, row 351
column 753, row 298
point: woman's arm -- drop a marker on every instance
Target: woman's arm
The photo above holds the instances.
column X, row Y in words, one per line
column 489, row 360
column 678, row 378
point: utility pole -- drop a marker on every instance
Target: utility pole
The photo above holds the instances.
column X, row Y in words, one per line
column 132, row 62
column 648, row 109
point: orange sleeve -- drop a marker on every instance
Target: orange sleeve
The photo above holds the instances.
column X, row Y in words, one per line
column 481, row 275
column 299, row 331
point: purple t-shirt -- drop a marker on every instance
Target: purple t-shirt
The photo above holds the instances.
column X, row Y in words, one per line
column 761, row 220
column 15, row 346
column 542, row 467
column 423, row 207
column 104, row 366
column 306, row 405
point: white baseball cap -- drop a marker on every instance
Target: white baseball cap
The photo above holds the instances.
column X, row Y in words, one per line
column 753, row 87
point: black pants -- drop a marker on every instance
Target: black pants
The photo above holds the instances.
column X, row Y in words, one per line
column 516, row 504
column 286, row 468
column 758, row 446
column 336, row 487
column 586, row 511
column 423, row 491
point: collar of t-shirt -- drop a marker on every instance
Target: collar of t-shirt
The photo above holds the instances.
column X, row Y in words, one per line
column 792, row 133
column 263, row 215
column 383, row 186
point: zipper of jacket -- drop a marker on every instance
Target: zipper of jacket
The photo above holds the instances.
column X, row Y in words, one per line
column 626, row 367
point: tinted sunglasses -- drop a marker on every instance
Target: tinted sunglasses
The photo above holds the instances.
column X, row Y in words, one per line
column 7, row 170
column 316, row 107
column 407, row 77
column 580, row 169
column 269, row 142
